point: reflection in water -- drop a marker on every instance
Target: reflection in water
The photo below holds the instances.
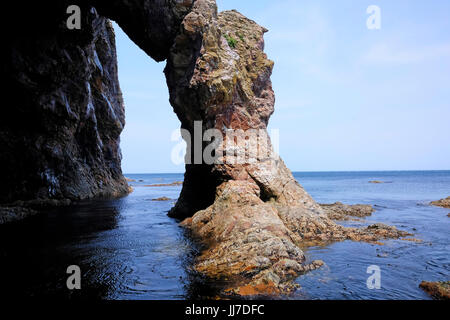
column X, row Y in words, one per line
column 125, row 248
column 131, row 249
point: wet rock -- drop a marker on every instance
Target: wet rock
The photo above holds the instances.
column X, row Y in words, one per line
column 438, row 290
column 340, row 211
column 12, row 214
column 162, row 199
column 413, row 240
column 244, row 235
column 444, row 203
column 60, row 137
column 20, row 209
column 173, row 184
column 41, row 203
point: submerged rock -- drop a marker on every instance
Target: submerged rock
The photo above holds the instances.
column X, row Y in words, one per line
column 173, row 184
column 340, row 211
column 444, row 203
column 438, row 290
column 162, row 199
column 12, row 214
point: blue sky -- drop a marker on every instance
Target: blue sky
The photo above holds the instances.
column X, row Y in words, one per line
column 348, row 98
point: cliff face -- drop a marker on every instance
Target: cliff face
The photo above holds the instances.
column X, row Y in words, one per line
column 59, row 137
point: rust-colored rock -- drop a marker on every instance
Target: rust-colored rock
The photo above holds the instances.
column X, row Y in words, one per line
column 438, row 290
column 444, row 203
column 340, row 211
column 162, row 199
column 258, row 217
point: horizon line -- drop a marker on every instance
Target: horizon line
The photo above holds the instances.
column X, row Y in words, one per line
column 318, row 171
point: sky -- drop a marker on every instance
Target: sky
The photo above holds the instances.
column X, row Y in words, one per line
column 348, row 98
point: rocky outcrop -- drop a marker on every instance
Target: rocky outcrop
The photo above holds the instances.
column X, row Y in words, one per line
column 254, row 216
column 438, row 290
column 162, row 199
column 444, row 203
column 340, row 211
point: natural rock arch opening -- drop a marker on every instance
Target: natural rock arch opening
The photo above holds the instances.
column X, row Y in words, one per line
column 148, row 141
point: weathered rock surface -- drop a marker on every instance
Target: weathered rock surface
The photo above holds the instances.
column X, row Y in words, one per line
column 254, row 223
column 340, row 211
column 438, row 290
column 12, row 214
column 60, row 136
column 444, row 203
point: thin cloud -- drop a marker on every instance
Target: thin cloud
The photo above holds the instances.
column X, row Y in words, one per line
column 387, row 54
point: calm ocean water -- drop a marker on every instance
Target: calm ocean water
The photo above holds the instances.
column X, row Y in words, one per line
column 130, row 249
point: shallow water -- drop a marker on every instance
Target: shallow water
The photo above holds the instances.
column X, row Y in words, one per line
column 403, row 202
column 130, row 249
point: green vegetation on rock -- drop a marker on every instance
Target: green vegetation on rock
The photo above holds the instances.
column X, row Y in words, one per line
column 231, row 41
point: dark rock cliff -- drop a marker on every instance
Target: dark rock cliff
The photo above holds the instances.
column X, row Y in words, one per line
column 59, row 135
column 63, row 109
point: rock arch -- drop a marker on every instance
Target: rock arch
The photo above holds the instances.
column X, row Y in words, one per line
column 60, row 139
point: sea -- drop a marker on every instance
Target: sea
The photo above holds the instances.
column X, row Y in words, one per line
column 130, row 249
